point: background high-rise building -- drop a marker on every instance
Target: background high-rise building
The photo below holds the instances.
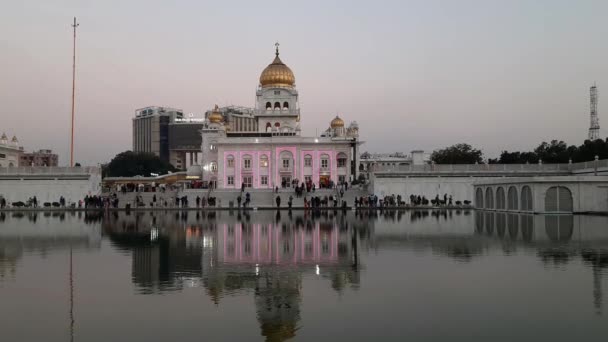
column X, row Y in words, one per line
column 39, row 158
column 169, row 134
column 151, row 130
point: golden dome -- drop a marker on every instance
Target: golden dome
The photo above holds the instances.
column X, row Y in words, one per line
column 277, row 74
column 215, row 116
column 337, row 122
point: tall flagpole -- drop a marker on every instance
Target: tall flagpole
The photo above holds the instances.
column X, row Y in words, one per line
column 75, row 25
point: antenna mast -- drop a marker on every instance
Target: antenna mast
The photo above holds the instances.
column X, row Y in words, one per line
column 74, row 25
column 594, row 129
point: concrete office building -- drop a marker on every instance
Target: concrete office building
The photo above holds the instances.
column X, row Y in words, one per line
column 151, row 131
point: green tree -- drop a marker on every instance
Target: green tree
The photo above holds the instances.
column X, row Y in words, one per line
column 554, row 152
column 457, row 154
column 507, row 157
column 129, row 164
column 589, row 149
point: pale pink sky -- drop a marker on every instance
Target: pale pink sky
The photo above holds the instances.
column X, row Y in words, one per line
column 414, row 74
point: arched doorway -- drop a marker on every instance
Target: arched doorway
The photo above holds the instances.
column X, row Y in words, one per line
column 558, row 199
column 512, row 198
column 489, row 198
column 479, row 198
column 286, row 168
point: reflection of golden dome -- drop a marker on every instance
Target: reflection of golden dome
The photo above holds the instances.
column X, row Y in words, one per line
column 277, row 74
column 215, row 116
column 337, row 122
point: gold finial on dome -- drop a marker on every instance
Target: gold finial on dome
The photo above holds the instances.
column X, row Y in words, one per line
column 337, row 122
column 215, row 116
column 277, row 74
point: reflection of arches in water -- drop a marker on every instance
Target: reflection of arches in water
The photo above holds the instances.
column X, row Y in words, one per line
column 527, row 227
column 513, row 225
column 500, row 198
column 479, row 198
column 489, row 198
column 559, row 228
column 489, row 222
column 501, row 224
column 478, row 221
column 558, row 198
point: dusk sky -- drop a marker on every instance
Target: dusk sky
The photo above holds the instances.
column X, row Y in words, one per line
column 414, row 74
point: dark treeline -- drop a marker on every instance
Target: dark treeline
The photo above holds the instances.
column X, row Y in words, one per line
column 556, row 151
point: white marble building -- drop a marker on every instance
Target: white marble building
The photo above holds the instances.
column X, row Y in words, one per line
column 10, row 151
column 263, row 148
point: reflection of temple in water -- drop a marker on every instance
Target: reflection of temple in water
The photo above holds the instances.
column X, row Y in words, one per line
column 267, row 258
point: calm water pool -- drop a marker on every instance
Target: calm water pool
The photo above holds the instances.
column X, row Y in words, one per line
column 391, row 276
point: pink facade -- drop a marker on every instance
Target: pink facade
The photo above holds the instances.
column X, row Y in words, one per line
column 268, row 244
column 275, row 170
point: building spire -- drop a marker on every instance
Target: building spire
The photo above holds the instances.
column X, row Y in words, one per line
column 276, row 49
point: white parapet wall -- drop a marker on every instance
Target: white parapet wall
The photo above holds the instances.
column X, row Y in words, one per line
column 565, row 194
column 460, row 188
column 48, row 184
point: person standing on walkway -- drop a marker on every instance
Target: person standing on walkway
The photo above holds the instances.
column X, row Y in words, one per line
column 198, row 201
column 290, row 202
column 238, row 201
column 278, row 200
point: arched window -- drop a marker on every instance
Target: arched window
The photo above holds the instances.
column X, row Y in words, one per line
column 479, row 198
column 324, row 162
column 276, row 124
column 230, row 161
column 512, row 199
column 489, row 198
column 308, row 160
column 264, row 161
column 285, row 105
column 277, row 105
column 247, row 164
column 526, row 199
column 268, row 126
column 558, row 198
column 268, row 105
column 341, row 159
column 500, row 198
column 286, row 161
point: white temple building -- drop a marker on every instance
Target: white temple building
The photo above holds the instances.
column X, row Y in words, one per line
column 263, row 149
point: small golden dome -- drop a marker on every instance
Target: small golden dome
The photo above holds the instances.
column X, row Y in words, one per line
column 215, row 116
column 14, row 139
column 277, row 74
column 337, row 122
